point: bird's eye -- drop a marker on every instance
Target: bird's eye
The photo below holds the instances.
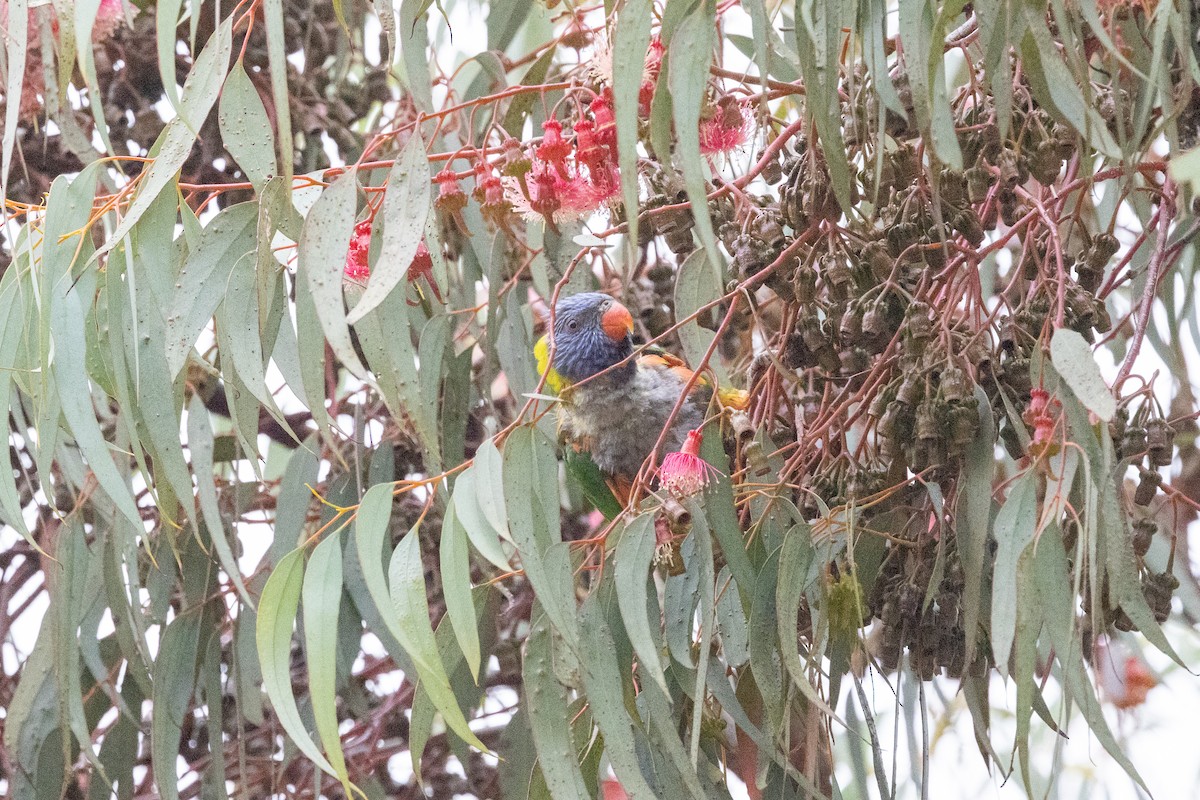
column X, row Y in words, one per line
column 606, row 305
column 572, row 324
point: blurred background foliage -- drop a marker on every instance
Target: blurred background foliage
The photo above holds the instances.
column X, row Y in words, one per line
column 286, row 516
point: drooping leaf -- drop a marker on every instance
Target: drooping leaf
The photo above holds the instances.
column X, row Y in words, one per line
column 245, row 127
column 174, row 682
column 602, row 680
column 67, row 319
column 468, row 501
column 818, row 31
column 456, row 586
column 280, row 99
column 687, row 69
column 200, row 442
column 324, row 241
column 546, row 705
column 406, row 578
column 405, row 208
column 1072, row 357
column 696, row 284
column 632, row 564
column 631, row 37
column 322, row 595
column 228, row 238
column 974, row 511
column 530, row 480
column 1015, row 528
column 414, row 47
column 277, row 608
column 16, row 46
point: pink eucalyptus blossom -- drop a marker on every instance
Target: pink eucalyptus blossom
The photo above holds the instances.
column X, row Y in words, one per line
column 685, row 473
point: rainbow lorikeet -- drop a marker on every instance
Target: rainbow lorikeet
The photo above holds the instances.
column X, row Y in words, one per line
column 611, row 408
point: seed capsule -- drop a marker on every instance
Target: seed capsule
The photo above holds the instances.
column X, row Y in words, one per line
column 1089, row 279
column 1147, row 487
column 875, row 257
column 967, row 223
column 1104, row 247
column 1046, row 163
column 1160, row 439
column 929, row 422
column 1143, row 535
column 851, row 322
column 979, row 181
column 911, row 389
column 1133, row 442
column 1010, row 207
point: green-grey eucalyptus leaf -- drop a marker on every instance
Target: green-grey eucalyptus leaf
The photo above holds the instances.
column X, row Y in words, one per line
column 606, row 697
column 166, row 22
column 276, row 616
column 973, row 513
column 201, row 284
column 697, row 284
column 174, row 684
column 16, row 44
column 70, row 373
column 322, row 596
column 632, row 565
column 467, row 502
column 1072, row 357
column 280, row 98
column 631, row 37
column 406, row 578
column 406, row 206
column 200, row 443
column 530, row 481
column 245, row 127
column 414, row 50
column 687, row 74
column 456, row 587
column 1016, row 525
column 546, row 704
column 324, row 242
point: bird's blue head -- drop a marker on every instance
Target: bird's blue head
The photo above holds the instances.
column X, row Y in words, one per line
column 592, row 332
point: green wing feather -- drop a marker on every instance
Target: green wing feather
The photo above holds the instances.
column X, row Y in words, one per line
column 591, row 480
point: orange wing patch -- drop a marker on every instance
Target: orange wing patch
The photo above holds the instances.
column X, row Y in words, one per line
column 737, row 399
column 660, row 359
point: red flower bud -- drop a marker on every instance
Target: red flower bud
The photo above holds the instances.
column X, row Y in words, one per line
column 554, row 149
column 590, row 153
column 450, row 196
column 1039, row 400
column 645, row 98
column 606, row 120
column 422, row 266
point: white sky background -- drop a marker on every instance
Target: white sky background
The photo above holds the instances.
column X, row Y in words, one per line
column 1160, row 737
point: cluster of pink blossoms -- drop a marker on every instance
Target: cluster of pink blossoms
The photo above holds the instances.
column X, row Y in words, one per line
column 724, row 126
column 563, row 179
column 357, row 270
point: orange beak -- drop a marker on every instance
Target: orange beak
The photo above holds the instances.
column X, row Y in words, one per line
column 617, row 322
